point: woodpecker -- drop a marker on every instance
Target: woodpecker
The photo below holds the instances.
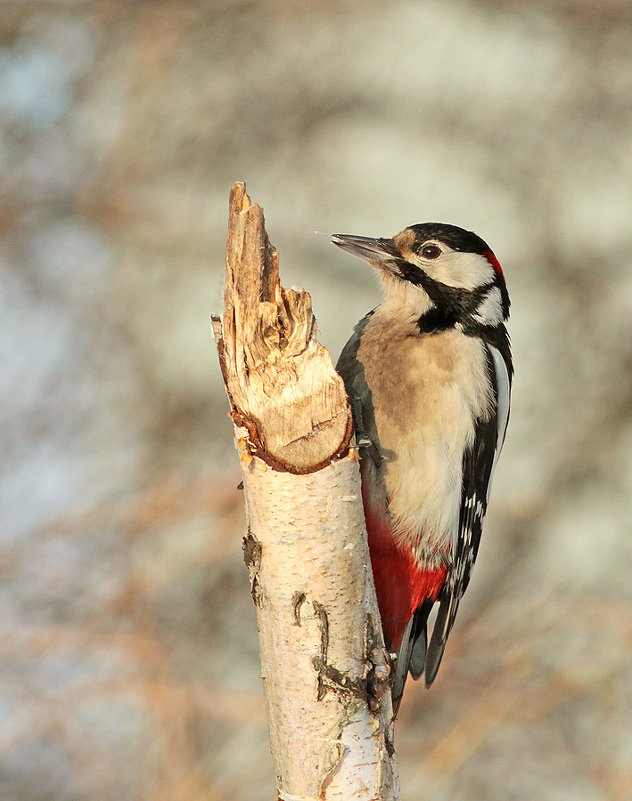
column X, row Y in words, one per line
column 428, row 374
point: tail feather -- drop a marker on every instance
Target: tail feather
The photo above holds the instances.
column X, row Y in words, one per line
column 412, row 653
column 439, row 637
column 420, row 639
column 401, row 667
column 418, row 655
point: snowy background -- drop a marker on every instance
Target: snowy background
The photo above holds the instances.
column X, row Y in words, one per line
column 128, row 651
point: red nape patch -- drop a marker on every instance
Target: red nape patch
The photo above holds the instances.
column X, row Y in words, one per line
column 401, row 585
column 493, row 261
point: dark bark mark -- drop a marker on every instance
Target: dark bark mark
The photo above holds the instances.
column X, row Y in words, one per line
column 252, row 559
column 298, row 599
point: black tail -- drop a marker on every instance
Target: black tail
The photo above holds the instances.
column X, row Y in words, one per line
column 412, row 653
column 448, row 606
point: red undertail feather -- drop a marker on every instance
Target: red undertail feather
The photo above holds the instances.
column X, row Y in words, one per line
column 400, row 583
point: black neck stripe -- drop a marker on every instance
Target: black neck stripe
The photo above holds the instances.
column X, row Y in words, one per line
column 435, row 320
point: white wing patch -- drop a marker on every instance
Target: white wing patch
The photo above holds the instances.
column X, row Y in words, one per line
column 504, row 388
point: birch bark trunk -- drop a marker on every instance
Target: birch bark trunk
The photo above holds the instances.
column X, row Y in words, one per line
column 324, row 667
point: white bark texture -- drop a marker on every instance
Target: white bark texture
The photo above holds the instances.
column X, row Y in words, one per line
column 324, row 667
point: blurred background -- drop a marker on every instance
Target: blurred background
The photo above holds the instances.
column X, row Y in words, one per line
column 128, row 650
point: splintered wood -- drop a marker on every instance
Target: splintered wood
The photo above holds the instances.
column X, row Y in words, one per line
column 281, row 382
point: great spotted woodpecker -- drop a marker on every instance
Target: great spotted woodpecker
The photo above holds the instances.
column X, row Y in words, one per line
column 428, row 374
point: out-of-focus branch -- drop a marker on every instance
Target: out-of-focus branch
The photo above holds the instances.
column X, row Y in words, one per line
column 324, row 666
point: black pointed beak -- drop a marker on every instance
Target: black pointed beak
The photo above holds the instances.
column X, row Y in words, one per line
column 383, row 251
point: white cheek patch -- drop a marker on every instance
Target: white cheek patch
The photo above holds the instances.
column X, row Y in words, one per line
column 490, row 311
column 461, row 270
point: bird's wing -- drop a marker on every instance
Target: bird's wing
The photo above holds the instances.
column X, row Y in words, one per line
column 352, row 372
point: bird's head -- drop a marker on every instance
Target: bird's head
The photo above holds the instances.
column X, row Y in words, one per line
column 436, row 266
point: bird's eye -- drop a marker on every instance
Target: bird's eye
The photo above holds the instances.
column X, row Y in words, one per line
column 431, row 251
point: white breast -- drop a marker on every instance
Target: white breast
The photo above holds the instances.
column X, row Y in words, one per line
column 426, row 393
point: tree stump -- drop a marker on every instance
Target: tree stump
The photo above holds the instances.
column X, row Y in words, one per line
column 324, row 667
